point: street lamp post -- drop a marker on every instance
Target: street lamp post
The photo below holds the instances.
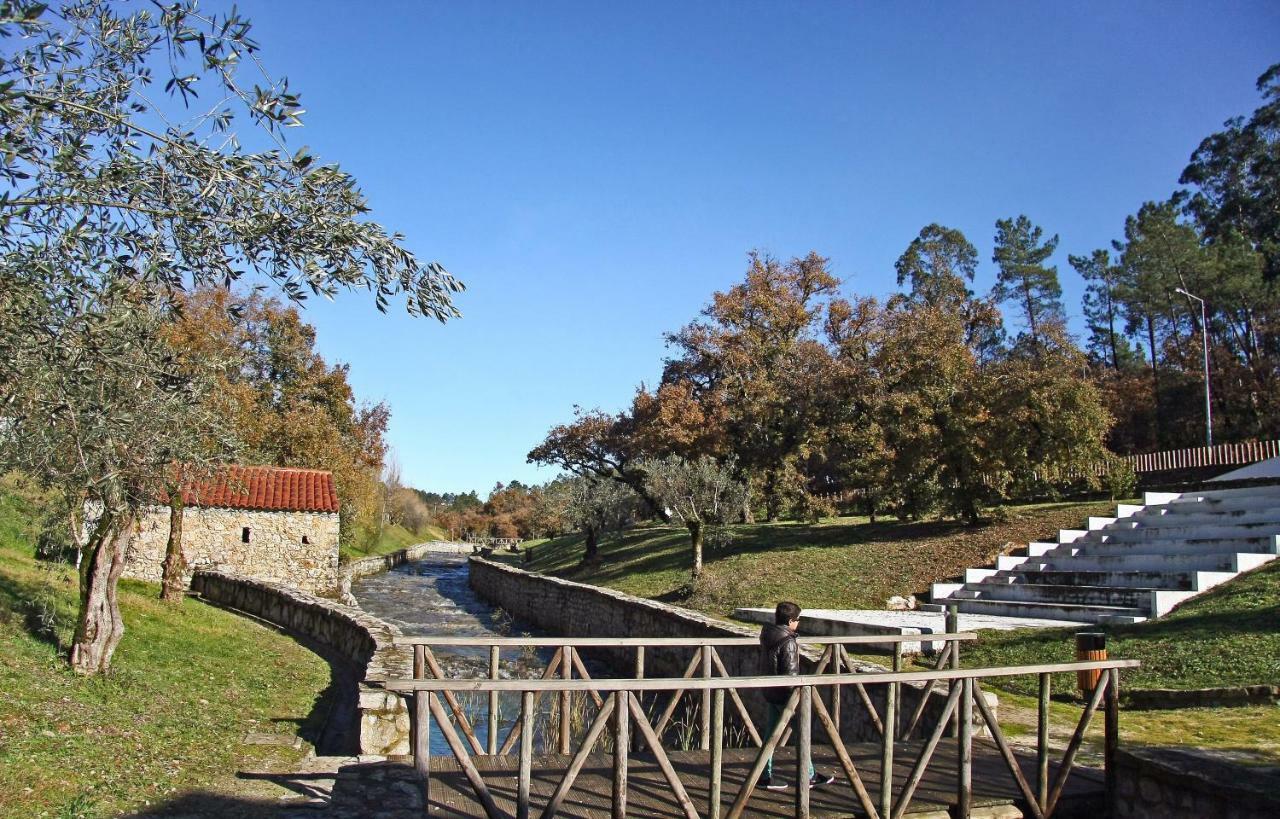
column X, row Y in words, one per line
column 1204, row 335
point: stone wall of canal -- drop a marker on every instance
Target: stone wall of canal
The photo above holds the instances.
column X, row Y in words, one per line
column 569, row 609
column 362, row 646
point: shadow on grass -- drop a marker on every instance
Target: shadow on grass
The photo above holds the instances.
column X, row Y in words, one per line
column 21, row 600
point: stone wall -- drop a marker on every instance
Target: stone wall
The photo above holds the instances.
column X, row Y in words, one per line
column 570, row 609
column 213, row 538
column 362, row 644
column 1191, row 783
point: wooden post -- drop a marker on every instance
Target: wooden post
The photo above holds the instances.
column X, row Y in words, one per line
column 704, row 740
column 836, row 665
column 953, row 627
column 621, row 746
column 493, row 703
column 639, row 662
column 964, row 788
column 886, row 750
column 526, row 754
column 1090, row 645
column 717, row 753
column 566, row 701
column 419, row 662
column 897, row 687
column 422, row 742
column 804, row 751
column 1111, row 716
column 1042, row 742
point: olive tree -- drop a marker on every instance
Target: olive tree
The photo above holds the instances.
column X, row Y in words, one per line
column 598, row 506
column 698, row 493
column 114, row 199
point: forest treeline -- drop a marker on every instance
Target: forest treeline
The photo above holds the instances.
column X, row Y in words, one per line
column 940, row 399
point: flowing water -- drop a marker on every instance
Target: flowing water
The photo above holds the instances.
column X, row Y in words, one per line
column 432, row 597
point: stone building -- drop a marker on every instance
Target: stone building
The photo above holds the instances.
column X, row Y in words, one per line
column 271, row 523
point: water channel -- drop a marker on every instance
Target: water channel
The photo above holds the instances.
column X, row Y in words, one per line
column 432, row 597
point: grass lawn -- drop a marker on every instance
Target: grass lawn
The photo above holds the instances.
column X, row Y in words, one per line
column 841, row 563
column 189, row 682
column 392, row 539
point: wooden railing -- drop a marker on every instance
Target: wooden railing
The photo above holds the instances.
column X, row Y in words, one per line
column 705, row 662
column 619, row 710
column 511, row 544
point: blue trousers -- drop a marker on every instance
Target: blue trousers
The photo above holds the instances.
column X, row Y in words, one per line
column 775, row 716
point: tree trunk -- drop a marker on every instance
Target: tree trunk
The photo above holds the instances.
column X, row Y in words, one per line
column 695, row 537
column 593, row 548
column 771, row 502
column 175, row 566
column 1155, row 379
column 100, row 627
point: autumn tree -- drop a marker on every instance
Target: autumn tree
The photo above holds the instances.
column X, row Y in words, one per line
column 288, row 405
column 106, row 194
column 755, row 354
column 596, row 445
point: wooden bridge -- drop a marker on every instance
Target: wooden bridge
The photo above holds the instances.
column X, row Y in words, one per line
column 627, row 764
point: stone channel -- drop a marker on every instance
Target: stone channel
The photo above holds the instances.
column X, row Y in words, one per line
column 432, row 596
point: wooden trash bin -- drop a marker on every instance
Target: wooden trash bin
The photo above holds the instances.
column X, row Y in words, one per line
column 1090, row 645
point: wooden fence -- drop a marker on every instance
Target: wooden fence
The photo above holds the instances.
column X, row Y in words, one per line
column 1240, row 454
column 618, row 709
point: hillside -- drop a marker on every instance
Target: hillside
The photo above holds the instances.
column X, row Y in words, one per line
column 393, row 538
column 189, row 682
column 842, row 563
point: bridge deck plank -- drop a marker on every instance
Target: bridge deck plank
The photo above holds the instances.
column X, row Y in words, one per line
column 649, row 794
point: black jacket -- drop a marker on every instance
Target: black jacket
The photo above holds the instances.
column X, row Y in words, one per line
column 779, row 654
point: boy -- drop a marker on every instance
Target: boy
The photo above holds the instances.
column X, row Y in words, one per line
column 781, row 655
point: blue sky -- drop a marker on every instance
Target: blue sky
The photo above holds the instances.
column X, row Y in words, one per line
column 594, row 171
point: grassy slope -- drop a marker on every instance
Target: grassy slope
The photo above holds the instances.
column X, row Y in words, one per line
column 188, row 683
column 393, row 538
column 844, row 563
column 1228, row 636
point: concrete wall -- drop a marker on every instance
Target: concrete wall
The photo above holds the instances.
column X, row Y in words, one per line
column 1191, row 783
column 573, row 609
column 360, row 643
column 213, row 538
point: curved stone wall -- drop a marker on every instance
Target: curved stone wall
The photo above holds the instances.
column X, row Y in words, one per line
column 360, row 641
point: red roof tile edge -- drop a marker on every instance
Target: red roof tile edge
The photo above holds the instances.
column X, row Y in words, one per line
column 264, row 488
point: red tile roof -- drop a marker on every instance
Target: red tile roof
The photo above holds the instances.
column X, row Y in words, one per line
column 265, row 488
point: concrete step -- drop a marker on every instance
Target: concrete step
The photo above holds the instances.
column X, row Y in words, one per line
column 1052, row 611
column 1172, row 581
column 1157, row 562
column 1153, row 602
column 1186, row 514
column 1270, row 491
column 1200, row 531
column 1261, row 544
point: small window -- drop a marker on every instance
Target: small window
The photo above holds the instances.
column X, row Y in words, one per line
column 306, row 541
column 244, row 535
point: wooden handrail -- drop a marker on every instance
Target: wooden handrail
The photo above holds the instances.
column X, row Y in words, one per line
column 699, row 684
column 675, row 642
